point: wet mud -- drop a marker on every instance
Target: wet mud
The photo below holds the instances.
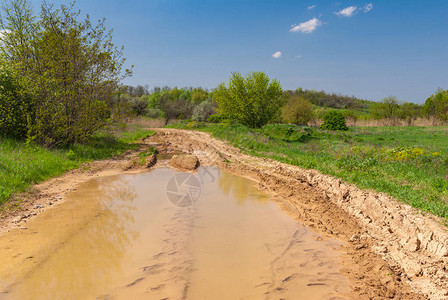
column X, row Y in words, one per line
column 164, row 234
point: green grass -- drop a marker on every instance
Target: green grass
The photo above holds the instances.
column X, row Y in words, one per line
column 22, row 165
column 408, row 163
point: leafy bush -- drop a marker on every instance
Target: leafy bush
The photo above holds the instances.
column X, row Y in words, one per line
column 298, row 111
column 334, row 120
column 154, row 113
column 139, row 106
column 15, row 105
column 203, row 111
column 286, row 133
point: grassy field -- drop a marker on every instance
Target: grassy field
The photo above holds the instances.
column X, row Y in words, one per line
column 408, row 163
column 22, row 165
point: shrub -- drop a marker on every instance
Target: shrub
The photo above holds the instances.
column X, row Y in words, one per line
column 203, row 111
column 139, row 106
column 334, row 120
column 154, row 113
column 298, row 111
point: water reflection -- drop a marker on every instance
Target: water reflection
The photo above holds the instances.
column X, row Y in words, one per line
column 93, row 255
column 240, row 189
column 119, row 237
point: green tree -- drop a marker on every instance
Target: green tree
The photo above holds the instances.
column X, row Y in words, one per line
column 387, row 108
column 409, row 111
column 16, row 106
column 199, row 95
column 298, row 110
column 437, row 105
column 253, row 101
column 70, row 68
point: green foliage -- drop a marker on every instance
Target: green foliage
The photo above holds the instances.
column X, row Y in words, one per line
column 287, row 133
column 199, row 95
column 70, row 155
column 437, row 105
column 154, row 113
column 336, row 101
column 298, row 111
column 16, row 106
column 23, row 164
column 151, row 150
column 409, row 111
column 388, row 108
column 182, row 103
column 70, row 68
column 203, row 111
column 252, row 101
column 334, row 120
column 216, row 118
column 139, row 106
column 175, row 108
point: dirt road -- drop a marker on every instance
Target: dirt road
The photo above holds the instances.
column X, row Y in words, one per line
column 390, row 250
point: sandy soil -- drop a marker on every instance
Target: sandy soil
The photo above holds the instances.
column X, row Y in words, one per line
column 391, row 250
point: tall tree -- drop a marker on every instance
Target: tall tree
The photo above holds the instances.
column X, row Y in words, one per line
column 71, row 68
column 437, row 105
column 252, row 101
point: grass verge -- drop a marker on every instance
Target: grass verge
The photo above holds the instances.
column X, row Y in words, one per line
column 408, row 163
column 23, row 165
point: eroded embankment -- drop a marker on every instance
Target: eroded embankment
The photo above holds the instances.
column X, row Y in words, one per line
column 392, row 250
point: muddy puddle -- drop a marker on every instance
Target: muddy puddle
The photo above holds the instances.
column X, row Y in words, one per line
column 168, row 235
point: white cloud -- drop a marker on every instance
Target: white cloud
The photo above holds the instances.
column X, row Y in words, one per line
column 299, row 56
column 368, row 7
column 277, row 54
column 311, row 7
column 307, row 27
column 348, row 11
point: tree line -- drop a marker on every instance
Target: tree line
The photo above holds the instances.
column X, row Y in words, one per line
column 254, row 100
column 197, row 104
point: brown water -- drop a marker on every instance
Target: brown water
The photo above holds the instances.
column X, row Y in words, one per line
column 119, row 237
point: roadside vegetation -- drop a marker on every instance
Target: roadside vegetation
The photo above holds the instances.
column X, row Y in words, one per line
column 22, row 165
column 60, row 80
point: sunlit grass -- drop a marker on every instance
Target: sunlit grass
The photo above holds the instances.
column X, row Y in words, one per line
column 22, row 165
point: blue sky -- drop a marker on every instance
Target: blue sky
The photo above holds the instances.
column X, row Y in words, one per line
column 369, row 49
